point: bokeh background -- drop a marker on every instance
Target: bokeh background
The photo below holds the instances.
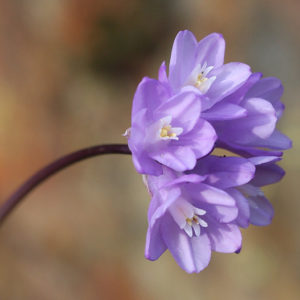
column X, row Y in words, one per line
column 68, row 72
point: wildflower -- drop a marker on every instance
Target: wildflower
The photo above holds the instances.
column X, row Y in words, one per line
column 167, row 130
column 199, row 67
column 260, row 98
column 254, row 207
column 191, row 217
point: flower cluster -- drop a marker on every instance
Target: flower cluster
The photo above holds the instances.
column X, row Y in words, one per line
column 200, row 200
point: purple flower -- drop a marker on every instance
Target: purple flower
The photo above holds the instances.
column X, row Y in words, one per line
column 191, row 217
column 167, row 130
column 254, row 207
column 245, row 135
column 198, row 67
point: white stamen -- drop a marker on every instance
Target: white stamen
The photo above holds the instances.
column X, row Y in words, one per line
column 203, row 223
column 187, row 217
column 188, row 229
column 197, row 229
column 166, row 131
column 199, row 79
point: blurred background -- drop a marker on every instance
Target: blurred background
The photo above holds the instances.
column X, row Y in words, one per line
column 68, row 72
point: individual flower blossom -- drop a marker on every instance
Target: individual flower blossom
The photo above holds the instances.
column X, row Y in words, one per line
column 199, row 67
column 254, row 207
column 167, row 130
column 191, row 217
column 248, row 134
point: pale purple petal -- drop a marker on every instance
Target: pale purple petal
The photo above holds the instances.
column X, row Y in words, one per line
column 211, row 50
column 224, row 111
column 242, row 204
column 149, row 94
column 176, row 158
column 225, row 172
column 210, row 195
column 184, row 108
column 260, row 160
column 261, row 211
column 271, row 89
column 146, row 165
column 190, row 178
column 162, row 73
column 267, row 174
column 201, row 139
column 182, row 59
column 259, row 123
column 191, row 254
column 225, row 238
column 246, row 151
column 229, row 78
column 276, row 140
column 239, row 94
column 155, row 245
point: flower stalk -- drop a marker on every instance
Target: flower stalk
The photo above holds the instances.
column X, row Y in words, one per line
column 54, row 167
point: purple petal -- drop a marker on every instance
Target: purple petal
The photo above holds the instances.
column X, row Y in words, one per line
column 183, row 58
column 191, row 254
column 210, row 195
column 190, row 178
column 261, row 211
column 162, row 73
column 269, row 88
column 201, row 139
column 246, row 151
column 155, row 246
column 224, row 238
column 229, row 78
column 184, row 108
column 177, row 158
column 211, row 50
column 276, row 140
column 225, row 172
column 146, row 165
column 242, row 204
column 267, row 174
column 259, row 124
column 261, row 160
column 224, row 111
column 239, row 94
column 149, row 94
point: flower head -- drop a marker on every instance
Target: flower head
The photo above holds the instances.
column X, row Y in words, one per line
column 200, row 200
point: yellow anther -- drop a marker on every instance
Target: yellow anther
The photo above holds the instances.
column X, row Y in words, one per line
column 189, row 221
column 200, row 80
column 195, row 219
column 166, row 131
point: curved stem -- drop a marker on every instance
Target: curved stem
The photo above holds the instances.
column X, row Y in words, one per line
column 53, row 168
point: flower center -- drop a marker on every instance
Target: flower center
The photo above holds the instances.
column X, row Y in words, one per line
column 199, row 79
column 195, row 223
column 188, row 217
column 167, row 132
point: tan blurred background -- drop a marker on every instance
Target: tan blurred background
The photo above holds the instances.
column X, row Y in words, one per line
column 68, row 72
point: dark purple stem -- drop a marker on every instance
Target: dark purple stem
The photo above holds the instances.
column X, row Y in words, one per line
column 53, row 168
